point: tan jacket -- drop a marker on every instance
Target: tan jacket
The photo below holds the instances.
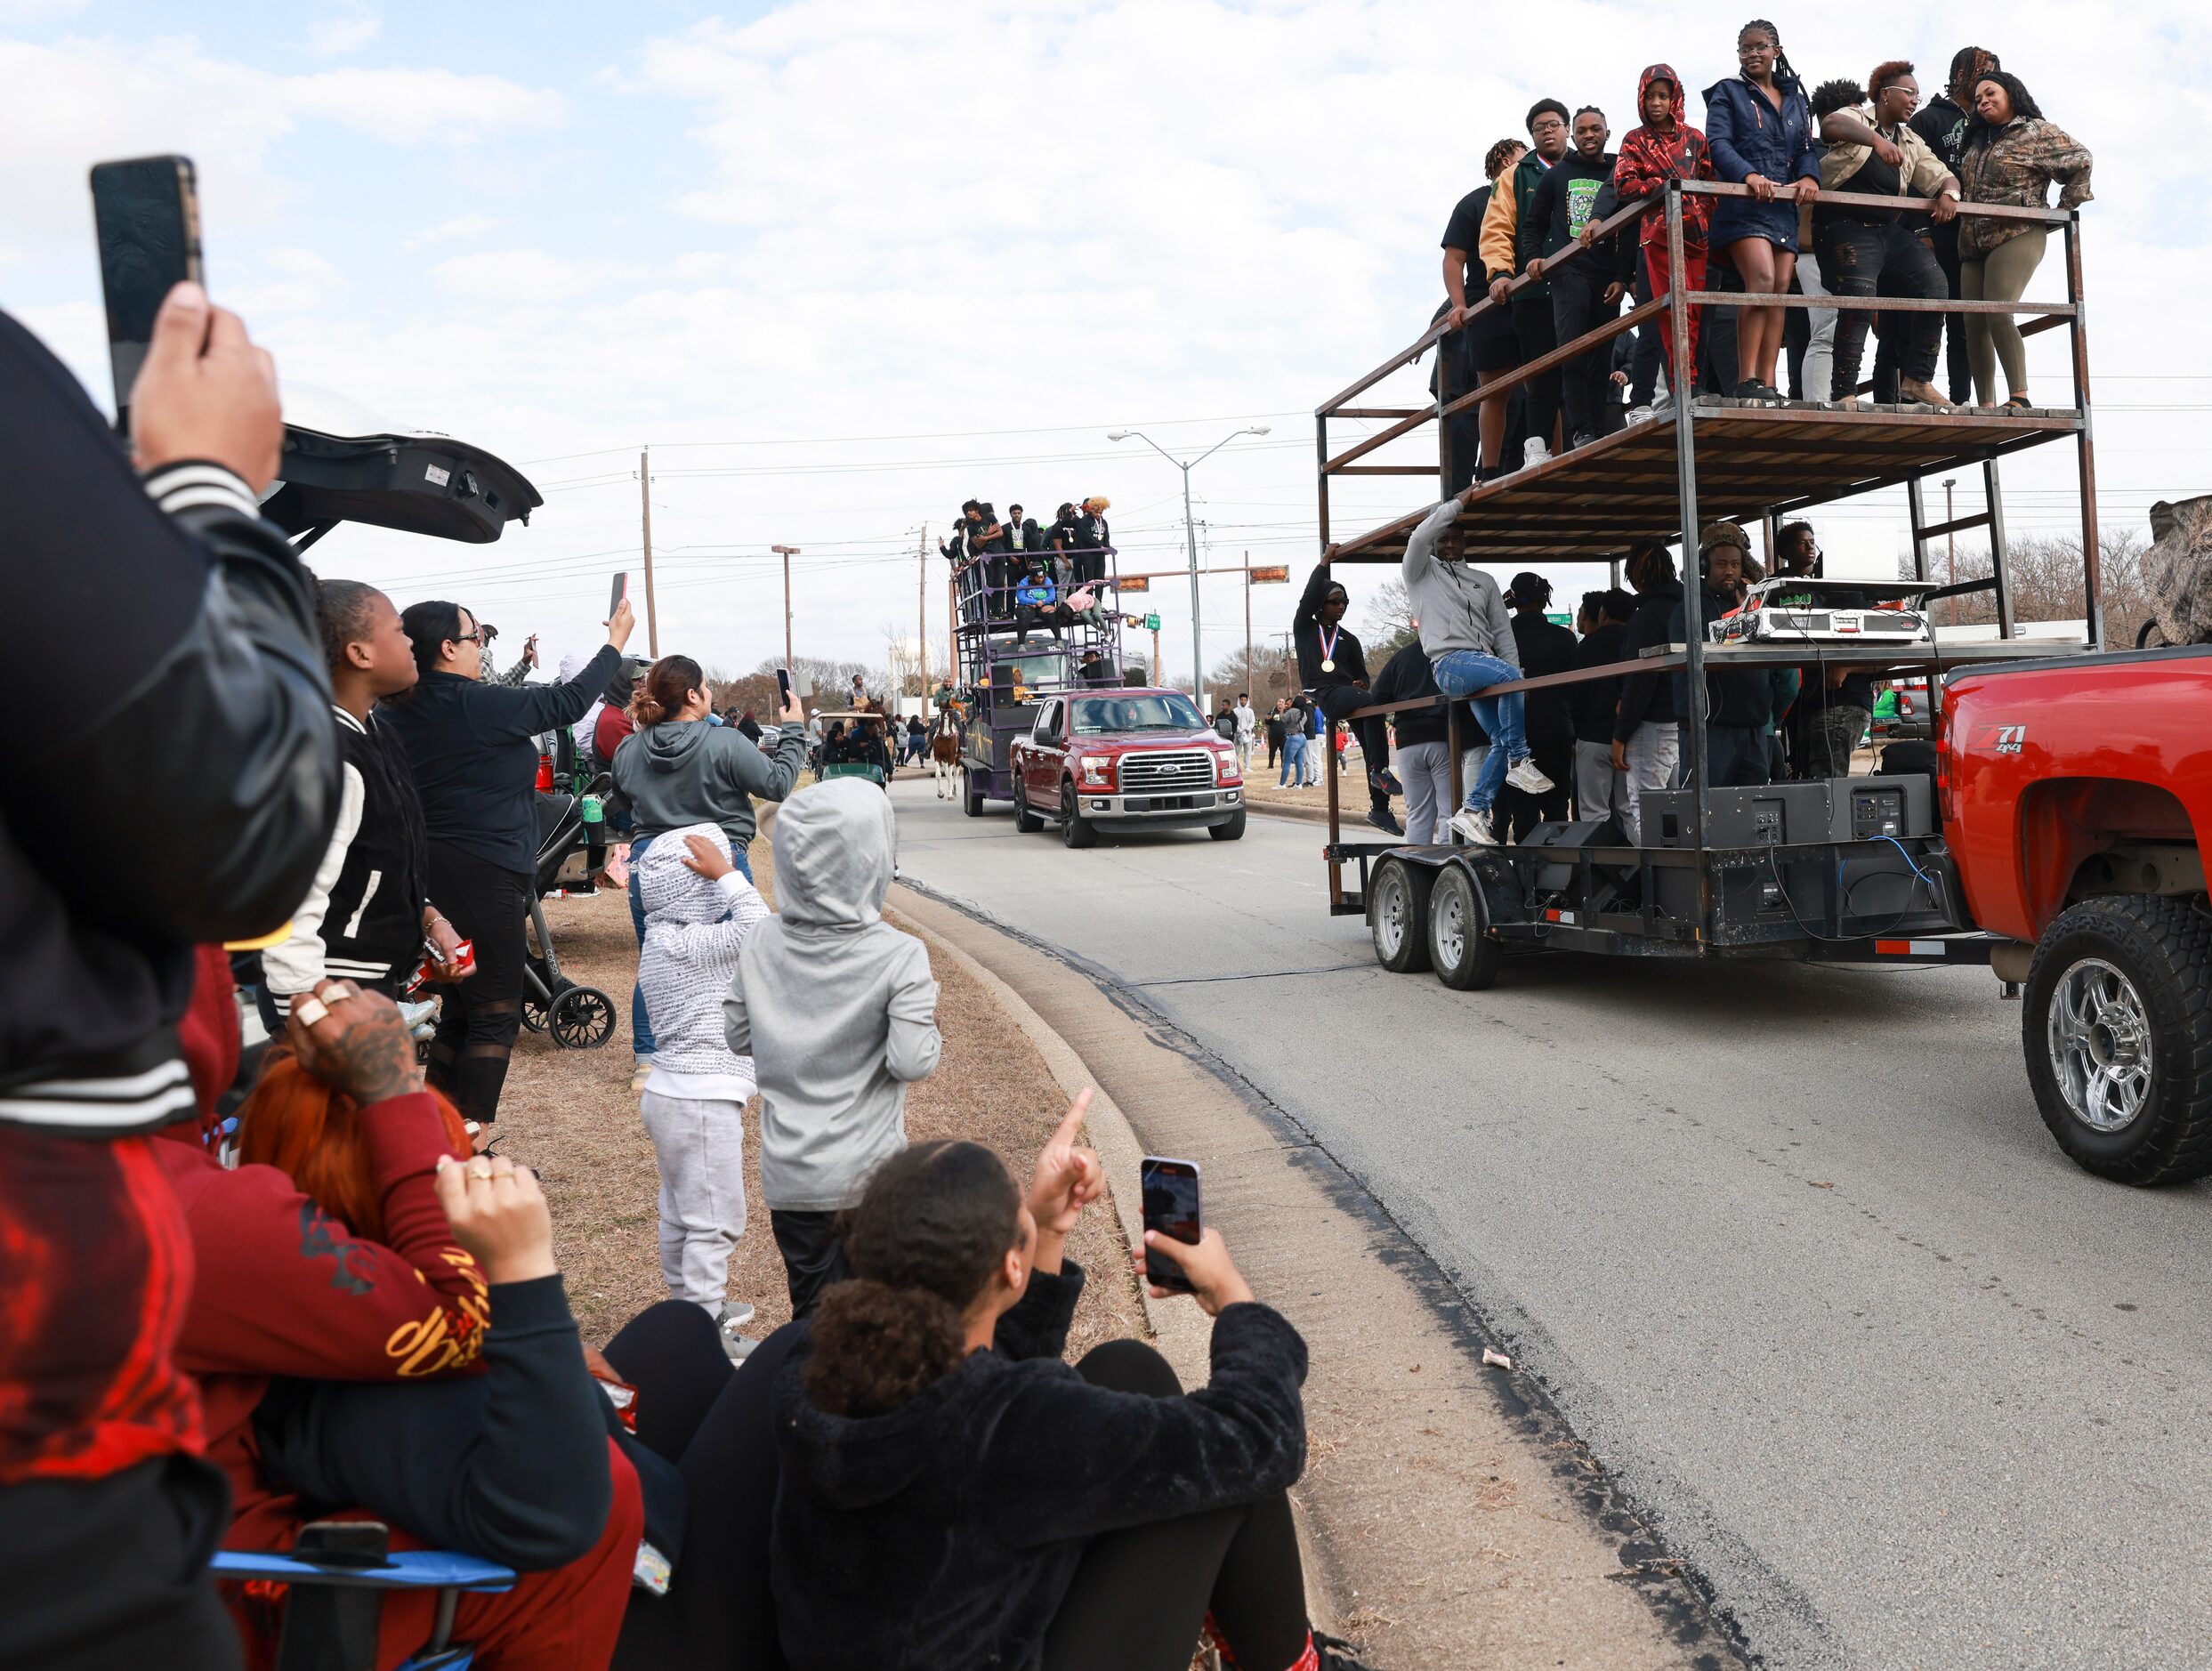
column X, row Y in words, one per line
column 1922, row 173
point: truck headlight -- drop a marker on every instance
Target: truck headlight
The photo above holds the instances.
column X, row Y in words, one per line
column 1098, row 771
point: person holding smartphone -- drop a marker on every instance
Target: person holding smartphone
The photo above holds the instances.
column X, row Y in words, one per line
column 196, row 778
column 472, row 750
column 948, row 1490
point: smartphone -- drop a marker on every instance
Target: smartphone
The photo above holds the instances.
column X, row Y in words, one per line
column 1171, row 1207
column 146, row 212
column 783, row 689
column 621, row 590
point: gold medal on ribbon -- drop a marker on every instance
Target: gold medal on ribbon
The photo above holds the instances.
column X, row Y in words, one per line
column 1328, row 666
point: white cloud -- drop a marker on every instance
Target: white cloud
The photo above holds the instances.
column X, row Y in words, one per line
column 526, row 277
column 335, row 38
column 462, row 226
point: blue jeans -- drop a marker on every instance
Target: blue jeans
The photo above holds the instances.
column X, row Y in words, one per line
column 1294, row 762
column 641, row 1027
column 1459, row 675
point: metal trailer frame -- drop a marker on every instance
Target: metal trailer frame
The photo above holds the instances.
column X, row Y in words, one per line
column 984, row 643
column 1588, row 503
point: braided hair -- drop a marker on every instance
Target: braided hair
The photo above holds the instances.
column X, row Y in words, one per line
column 1494, row 160
column 1784, row 71
column 1967, row 64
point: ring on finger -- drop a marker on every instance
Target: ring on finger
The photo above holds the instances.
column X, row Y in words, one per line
column 309, row 1010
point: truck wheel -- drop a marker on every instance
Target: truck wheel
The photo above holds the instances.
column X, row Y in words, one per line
column 1464, row 956
column 971, row 797
column 1232, row 831
column 1024, row 821
column 1398, row 914
column 1075, row 832
column 2117, row 1031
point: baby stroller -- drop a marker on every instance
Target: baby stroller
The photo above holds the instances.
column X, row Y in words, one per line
column 577, row 1017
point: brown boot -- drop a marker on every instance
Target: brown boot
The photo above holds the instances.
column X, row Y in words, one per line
column 1925, row 394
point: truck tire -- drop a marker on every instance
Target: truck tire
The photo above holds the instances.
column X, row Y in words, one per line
column 1074, row 831
column 1464, row 957
column 1398, row 914
column 2117, row 1027
column 1024, row 821
column 1232, row 831
column 971, row 797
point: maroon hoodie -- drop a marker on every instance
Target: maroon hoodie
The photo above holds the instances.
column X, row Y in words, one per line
column 1649, row 157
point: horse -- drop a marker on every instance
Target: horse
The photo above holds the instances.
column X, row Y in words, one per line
column 944, row 754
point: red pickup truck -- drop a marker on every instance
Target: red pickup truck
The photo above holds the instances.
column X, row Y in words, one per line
column 1125, row 759
column 2077, row 799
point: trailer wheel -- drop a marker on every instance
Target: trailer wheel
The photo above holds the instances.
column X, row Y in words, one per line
column 971, row 797
column 1232, row 831
column 1398, row 914
column 1466, row 958
column 1024, row 821
column 2118, row 1032
column 1073, row 832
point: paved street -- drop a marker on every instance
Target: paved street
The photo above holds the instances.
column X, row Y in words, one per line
column 1790, row 1246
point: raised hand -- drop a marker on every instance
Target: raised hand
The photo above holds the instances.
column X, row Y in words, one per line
column 1067, row 1178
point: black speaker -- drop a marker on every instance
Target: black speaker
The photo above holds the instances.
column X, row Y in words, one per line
column 1558, row 877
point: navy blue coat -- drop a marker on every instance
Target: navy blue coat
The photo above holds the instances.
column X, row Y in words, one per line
column 1748, row 136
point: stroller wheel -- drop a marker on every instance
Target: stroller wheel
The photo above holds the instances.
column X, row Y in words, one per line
column 583, row 1017
column 533, row 1014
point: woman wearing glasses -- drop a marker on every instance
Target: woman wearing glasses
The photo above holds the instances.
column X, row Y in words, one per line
column 472, row 750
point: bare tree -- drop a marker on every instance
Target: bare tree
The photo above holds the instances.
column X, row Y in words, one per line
column 1266, row 676
column 1389, row 623
column 2046, row 575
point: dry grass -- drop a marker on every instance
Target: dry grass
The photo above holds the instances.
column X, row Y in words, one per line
column 572, row 1116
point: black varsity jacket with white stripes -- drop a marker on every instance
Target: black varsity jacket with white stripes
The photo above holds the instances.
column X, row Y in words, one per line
column 362, row 919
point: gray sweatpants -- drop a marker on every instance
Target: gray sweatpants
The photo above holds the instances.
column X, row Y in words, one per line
column 1654, row 752
column 1425, row 771
column 1598, row 787
column 701, row 1149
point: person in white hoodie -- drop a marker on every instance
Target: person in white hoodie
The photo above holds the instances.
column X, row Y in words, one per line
column 839, row 1013
column 1468, row 638
column 700, row 909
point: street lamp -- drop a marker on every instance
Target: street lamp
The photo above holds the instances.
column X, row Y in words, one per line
column 1191, row 539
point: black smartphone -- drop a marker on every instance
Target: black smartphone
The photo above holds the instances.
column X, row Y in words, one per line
column 620, row 591
column 783, row 689
column 1171, row 1207
column 146, row 212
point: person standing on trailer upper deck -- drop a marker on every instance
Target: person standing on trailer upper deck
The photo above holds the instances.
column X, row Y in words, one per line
column 1092, row 538
column 1761, row 126
column 1333, row 669
column 1469, row 639
column 1532, row 304
column 1666, row 148
column 1569, row 201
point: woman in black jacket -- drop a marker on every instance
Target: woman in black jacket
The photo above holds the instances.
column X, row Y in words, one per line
column 952, row 1494
column 474, row 750
column 1542, row 647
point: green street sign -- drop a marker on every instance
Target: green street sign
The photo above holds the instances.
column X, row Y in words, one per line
column 1152, row 623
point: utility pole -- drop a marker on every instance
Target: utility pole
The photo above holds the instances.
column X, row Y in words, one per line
column 786, row 552
column 1248, row 617
column 1156, row 674
column 921, row 625
column 645, row 503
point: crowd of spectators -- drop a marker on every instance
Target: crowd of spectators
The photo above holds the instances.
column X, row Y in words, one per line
column 251, row 1287
column 1512, row 296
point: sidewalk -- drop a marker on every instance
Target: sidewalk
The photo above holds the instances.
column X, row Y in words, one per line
column 1450, row 1518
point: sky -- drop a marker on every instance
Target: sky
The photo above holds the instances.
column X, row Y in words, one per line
column 840, row 264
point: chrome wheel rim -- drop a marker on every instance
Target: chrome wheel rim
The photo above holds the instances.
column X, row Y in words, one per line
column 1390, row 915
column 1451, row 927
column 2100, row 1041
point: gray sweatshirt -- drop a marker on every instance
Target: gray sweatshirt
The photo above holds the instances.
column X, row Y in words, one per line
column 1458, row 606
column 835, row 1008
column 689, row 771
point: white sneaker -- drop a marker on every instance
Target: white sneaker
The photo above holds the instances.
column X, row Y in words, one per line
column 1525, row 778
column 1534, row 452
column 1474, row 828
column 736, row 1315
column 1641, row 415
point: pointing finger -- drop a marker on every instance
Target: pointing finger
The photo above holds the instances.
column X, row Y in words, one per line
column 1073, row 1122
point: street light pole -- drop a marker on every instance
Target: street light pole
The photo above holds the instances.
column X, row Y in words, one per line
column 786, row 552
column 1190, row 542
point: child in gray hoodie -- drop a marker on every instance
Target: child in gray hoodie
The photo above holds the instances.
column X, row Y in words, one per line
column 837, row 1010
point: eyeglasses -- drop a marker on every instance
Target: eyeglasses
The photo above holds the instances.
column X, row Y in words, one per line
column 480, row 637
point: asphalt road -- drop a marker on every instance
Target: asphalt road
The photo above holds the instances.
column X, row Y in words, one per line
column 1789, row 1246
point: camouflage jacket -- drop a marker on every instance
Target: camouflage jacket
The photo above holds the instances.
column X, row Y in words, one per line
column 2017, row 165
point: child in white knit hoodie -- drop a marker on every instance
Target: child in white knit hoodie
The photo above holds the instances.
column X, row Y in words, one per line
column 699, row 907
